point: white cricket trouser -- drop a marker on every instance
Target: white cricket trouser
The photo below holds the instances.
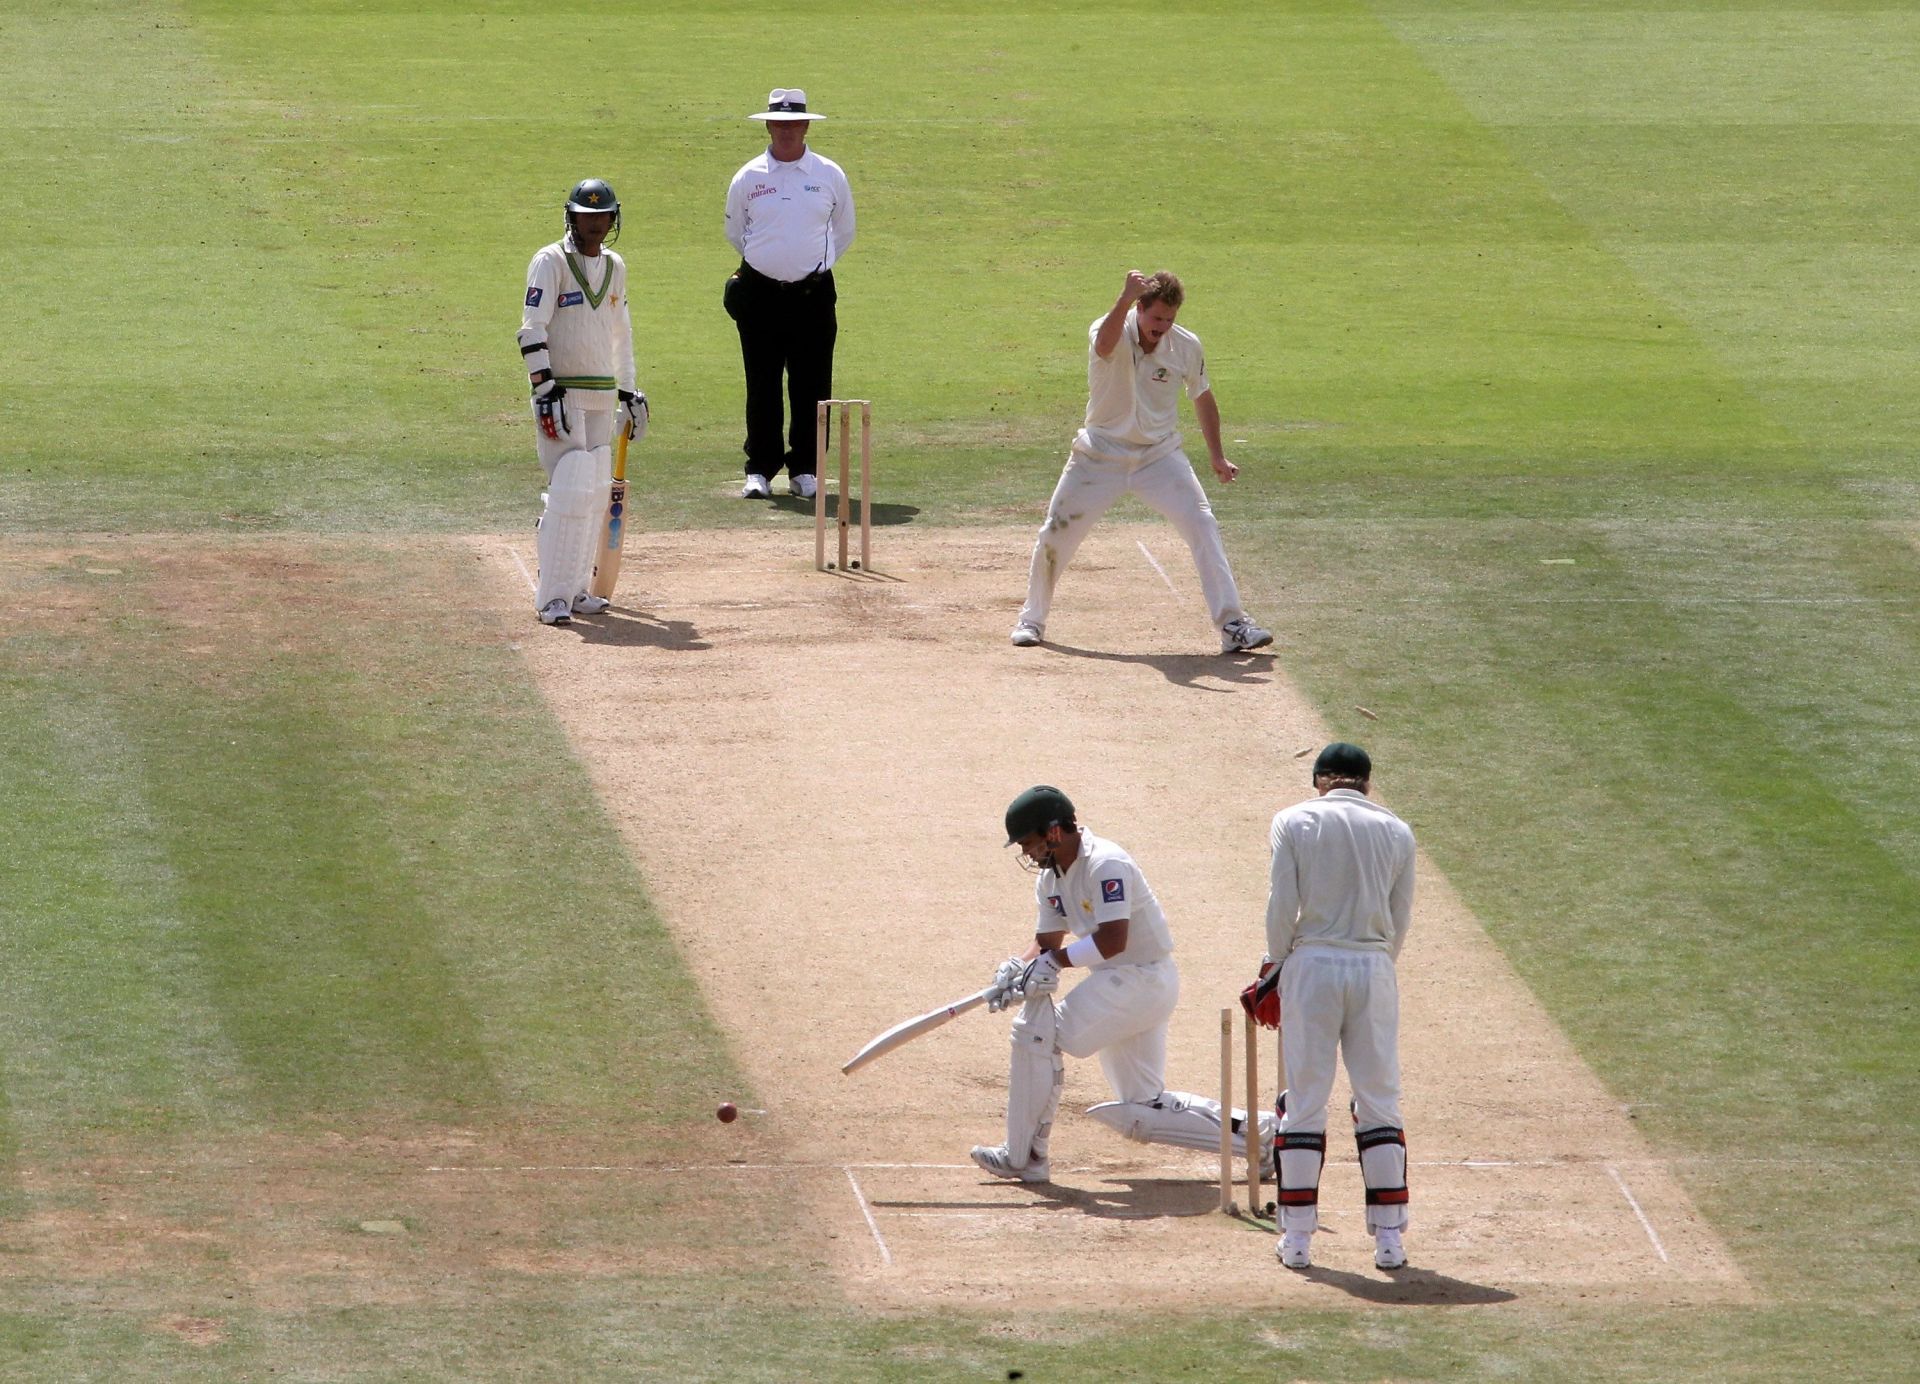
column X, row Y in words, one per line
column 585, row 430
column 1121, row 1013
column 1332, row 998
column 1088, row 489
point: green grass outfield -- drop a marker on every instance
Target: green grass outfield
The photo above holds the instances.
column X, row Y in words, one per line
column 1570, row 350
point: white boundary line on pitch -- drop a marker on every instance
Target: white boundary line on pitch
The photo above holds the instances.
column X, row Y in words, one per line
column 886, row 1255
column 659, row 1168
column 532, row 585
column 798, row 1167
column 1158, row 568
column 1645, row 1224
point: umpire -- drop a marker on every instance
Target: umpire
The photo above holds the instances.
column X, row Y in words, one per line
column 790, row 215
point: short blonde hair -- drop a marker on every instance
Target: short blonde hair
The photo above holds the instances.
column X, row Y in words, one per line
column 1164, row 286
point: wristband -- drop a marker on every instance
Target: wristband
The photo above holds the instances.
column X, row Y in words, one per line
column 533, row 347
column 1083, row 951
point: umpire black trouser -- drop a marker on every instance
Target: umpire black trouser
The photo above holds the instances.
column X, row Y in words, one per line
column 784, row 328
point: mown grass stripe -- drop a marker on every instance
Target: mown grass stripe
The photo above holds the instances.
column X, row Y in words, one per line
column 104, row 1009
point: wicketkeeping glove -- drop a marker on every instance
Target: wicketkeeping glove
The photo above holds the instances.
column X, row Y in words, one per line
column 635, row 405
column 550, row 406
column 1261, row 999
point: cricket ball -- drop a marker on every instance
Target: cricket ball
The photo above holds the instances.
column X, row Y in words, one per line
column 728, row 1112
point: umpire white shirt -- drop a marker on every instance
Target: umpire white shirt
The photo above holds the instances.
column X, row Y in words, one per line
column 1342, row 876
column 789, row 220
column 1133, row 396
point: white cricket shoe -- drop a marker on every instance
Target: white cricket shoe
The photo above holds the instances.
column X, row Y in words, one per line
column 996, row 1160
column 556, row 612
column 1240, row 636
column 802, row 487
column 1292, row 1250
column 1024, row 636
column 585, row 604
column 756, row 488
column 1388, row 1252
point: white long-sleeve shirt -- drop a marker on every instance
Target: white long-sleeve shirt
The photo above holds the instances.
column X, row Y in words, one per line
column 578, row 307
column 789, row 220
column 1341, row 876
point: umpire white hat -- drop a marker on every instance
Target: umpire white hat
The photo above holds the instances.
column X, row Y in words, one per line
column 786, row 103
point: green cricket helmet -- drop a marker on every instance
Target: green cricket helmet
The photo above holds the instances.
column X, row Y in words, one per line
column 1037, row 809
column 592, row 194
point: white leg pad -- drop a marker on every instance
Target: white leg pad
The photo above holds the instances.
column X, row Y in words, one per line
column 576, row 500
column 1302, row 1153
column 1383, row 1168
column 1185, row 1121
column 1033, row 1081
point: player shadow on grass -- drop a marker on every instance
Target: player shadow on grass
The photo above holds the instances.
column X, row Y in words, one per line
column 1409, row 1287
column 1186, row 670
column 625, row 627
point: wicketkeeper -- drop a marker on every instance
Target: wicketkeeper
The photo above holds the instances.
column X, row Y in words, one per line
column 577, row 339
column 1339, row 903
column 1091, row 889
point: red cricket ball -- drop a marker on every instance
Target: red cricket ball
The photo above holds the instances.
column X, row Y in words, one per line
column 728, row 1112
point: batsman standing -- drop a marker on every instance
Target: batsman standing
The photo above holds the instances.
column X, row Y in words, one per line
column 1091, row 888
column 1339, row 903
column 1137, row 361
column 577, row 338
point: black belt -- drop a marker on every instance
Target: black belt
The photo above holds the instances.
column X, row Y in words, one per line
column 813, row 280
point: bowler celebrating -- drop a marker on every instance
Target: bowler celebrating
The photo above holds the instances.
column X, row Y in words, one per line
column 1137, row 361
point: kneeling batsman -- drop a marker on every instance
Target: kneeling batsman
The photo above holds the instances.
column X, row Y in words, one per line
column 1093, row 909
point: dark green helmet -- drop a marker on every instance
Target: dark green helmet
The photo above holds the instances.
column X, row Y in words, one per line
column 1343, row 760
column 592, row 194
column 1037, row 809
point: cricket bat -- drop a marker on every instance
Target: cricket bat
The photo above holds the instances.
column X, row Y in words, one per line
column 914, row 1028
column 606, row 558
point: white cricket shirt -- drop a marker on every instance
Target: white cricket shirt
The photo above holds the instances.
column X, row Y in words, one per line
column 1133, row 397
column 1341, row 876
column 1101, row 885
column 789, row 220
column 579, row 305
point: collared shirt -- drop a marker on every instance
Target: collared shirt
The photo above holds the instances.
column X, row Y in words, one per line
column 1103, row 884
column 1342, row 876
column 578, row 306
column 1133, row 396
column 789, row 220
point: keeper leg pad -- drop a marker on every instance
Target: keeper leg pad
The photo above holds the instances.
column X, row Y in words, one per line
column 1302, row 1154
column 1033, row 1081
column 1383, row 1167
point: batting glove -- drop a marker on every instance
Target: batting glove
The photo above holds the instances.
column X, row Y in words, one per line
column 1006, row 984
column 1041, row 977
column 635, row 405
column 550, row 405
